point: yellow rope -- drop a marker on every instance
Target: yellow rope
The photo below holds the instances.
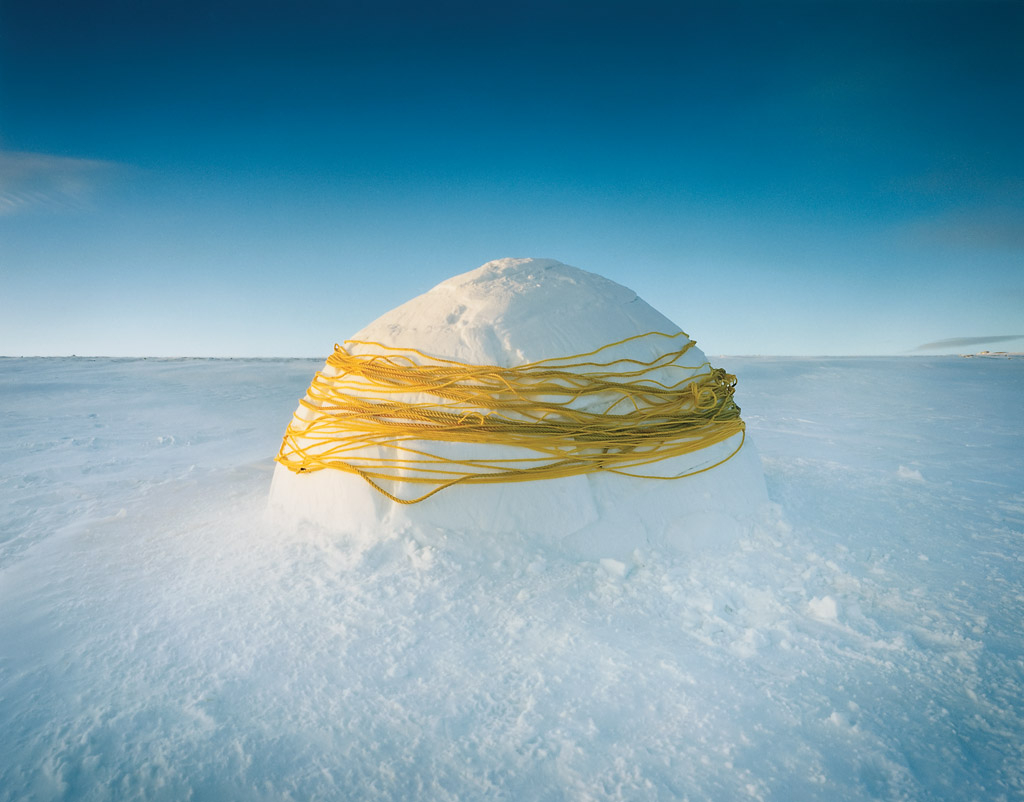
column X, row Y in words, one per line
column 375, row 415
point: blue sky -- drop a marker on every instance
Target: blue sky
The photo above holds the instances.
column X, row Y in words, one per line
column 263, row 179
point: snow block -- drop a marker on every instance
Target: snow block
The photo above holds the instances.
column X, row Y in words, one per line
column 510, row 312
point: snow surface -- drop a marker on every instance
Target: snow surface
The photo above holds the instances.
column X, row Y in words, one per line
column 160, row 639
column 509, row 312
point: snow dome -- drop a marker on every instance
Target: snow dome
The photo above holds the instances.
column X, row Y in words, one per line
column 510, row 313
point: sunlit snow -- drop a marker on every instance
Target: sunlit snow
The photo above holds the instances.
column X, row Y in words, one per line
column 160, row 639
column 516, row 311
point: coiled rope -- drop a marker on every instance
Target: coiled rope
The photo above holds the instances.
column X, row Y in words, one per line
column 390, row 415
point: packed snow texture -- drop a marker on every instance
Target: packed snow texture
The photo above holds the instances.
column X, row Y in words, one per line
column 511, row 312
column 160, row 639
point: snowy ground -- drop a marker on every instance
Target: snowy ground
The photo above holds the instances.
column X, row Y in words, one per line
column 161, row 640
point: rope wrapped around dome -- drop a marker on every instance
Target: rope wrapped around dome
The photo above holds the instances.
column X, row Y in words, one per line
column 397, row 415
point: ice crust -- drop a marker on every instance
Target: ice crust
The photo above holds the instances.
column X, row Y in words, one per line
column 509, row 312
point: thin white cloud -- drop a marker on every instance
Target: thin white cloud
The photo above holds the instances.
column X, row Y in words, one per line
column 41, row 180
column 960, row 342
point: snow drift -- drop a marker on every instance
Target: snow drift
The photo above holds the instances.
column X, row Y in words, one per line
column 506, row 313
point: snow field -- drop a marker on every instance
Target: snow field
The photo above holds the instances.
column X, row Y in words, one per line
column 161, row 638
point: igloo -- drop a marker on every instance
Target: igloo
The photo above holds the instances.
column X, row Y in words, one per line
column 508, row 313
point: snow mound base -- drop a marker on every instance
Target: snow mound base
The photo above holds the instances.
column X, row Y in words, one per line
column 510, row 312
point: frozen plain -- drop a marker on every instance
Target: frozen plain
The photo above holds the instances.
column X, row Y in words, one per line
column 160, row 639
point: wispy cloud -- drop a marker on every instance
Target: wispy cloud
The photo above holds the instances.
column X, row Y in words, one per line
column 975, row 209
column 961, row 183
column 961, row 342
column 41, row 180
column 997, row 229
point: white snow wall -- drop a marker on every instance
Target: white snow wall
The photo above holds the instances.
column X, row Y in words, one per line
column 509, row 312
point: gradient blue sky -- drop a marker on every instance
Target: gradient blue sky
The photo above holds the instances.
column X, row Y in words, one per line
column 263, row 179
